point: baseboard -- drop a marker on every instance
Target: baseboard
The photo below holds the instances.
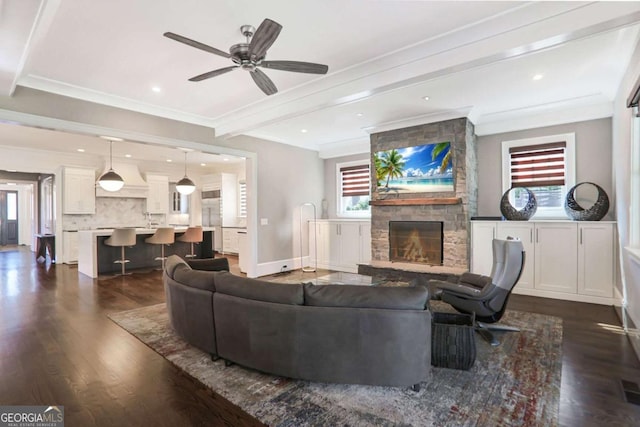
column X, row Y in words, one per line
column 617, row 297
column 273, row 267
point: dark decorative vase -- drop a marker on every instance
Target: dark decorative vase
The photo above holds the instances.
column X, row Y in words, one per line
column 511, row 213
column 594, row 213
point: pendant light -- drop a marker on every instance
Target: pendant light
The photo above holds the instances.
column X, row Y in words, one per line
column 111, row 181
column 185, row 185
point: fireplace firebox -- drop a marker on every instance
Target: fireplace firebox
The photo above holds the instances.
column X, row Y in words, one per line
column 416, row 242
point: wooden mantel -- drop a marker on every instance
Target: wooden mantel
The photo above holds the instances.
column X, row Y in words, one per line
column 417, row 202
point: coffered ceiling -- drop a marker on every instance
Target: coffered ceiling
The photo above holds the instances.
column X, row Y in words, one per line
column 505, row 65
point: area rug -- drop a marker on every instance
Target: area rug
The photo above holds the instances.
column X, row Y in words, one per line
column 515, row 384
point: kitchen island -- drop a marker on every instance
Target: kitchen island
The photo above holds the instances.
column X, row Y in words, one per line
column 96, row 258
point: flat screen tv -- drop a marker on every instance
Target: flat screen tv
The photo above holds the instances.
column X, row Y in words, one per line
column 419, row 169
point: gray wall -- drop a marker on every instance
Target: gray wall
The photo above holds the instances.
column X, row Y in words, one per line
column 330, row 184
column 593, row 160
column 287, row 177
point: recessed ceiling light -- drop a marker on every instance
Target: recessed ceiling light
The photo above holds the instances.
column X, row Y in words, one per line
column 169, row 160
column 203, row 164
column 303, row 131
column 538, row 76
column 127, row 156
column 426, row 98
column 111, row 138
column 156, row 89
column 80, row 150
column 226, row 159
column 359, row 114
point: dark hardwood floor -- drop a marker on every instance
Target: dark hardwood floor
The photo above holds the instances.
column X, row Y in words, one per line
column 57, row 347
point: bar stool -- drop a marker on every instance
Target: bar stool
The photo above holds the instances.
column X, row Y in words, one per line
column 162, row 236
column 122, row 237
column 192, row 235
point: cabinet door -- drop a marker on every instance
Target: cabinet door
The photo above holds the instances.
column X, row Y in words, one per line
column 482, row 235
column 335, row 244
column 349, row 245
column 524, row 232
column 556, row 257
column 324, row 243
column 596, row 254
column 79, row 191
column 157, row 200
column 70, row 246
column 365, row 243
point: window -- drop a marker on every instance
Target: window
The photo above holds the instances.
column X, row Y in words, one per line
column 634, row 205
column 242, row 198
column 354, row 189
column 544, row 165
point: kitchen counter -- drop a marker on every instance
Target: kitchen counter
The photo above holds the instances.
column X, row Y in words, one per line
column 94, row 257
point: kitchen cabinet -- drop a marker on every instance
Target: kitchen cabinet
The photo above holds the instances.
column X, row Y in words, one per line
column 157, row 202
column 78, row 191
column 564, row 259
column 231, row 240
column 341, row 246
column 70, row 247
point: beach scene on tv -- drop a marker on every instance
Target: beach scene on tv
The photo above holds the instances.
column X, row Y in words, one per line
column 420, row 169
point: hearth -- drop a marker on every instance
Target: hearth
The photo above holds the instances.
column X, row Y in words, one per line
column 418, row 242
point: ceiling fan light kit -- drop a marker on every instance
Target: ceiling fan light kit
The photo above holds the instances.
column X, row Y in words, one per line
column 111, row 181
column 251, row 55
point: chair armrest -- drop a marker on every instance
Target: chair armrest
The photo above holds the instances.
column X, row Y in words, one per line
column 476, row 280
column 455, row 289
column 209, row 264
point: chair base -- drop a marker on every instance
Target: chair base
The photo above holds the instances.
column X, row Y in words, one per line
column 485, row 331
column 122, row 261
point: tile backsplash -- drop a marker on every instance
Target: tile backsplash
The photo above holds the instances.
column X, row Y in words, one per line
column 114, row 212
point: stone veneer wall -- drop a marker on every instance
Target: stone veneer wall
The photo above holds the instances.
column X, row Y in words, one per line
column 460, row 132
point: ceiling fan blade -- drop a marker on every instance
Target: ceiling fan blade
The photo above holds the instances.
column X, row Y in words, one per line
column 213, row 73
column 263, row 38
column 296, row 66
column 196, row 44
column 264, row 82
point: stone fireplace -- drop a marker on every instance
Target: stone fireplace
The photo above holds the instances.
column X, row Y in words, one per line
column 452, row 209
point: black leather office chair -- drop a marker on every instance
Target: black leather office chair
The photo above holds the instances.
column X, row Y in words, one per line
column 486, row 296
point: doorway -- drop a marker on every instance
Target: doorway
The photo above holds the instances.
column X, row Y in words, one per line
column 8, row 217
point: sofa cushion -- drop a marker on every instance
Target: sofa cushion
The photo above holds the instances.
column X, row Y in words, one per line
column 173, row 263
column 398, row 298
column 204, row 280
column 259, row 290
column 209, row 264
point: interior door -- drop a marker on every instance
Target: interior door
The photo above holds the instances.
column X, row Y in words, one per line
column 8, row 218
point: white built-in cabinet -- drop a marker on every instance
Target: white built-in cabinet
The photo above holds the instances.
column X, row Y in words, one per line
column 563, row 259
column 158, row 195
column 78, row 190
column 70, row 247
column 341, row 244
column 231, row 240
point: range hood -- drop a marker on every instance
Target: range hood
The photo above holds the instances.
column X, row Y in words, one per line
column 134, row 185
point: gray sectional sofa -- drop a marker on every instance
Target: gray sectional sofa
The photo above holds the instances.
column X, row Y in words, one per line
column 327, row 333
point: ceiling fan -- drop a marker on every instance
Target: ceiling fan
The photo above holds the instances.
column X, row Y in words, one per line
column 250, row 55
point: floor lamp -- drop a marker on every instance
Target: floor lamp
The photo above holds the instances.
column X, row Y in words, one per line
column 315, row 239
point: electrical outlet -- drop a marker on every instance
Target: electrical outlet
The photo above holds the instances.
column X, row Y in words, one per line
column 284, row 267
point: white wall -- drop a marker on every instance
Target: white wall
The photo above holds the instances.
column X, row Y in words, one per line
column 622, row 125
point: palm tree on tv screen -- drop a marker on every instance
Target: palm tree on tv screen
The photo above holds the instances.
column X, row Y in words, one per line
column 392, row 165
column 439, row 148
column 377, row 164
